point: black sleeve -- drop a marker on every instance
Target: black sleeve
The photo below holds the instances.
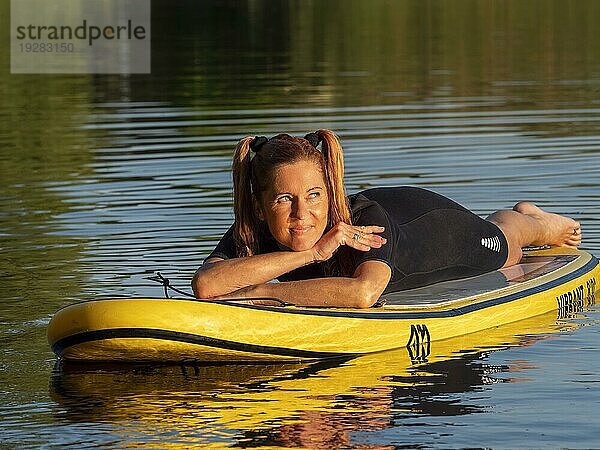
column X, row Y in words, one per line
column 226, row 247
column 374, row 214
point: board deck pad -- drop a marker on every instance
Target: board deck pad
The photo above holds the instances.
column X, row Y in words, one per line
column 531, row 267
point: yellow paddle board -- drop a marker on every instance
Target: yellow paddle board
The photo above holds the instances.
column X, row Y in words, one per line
column 180, row 330
column 226, row 396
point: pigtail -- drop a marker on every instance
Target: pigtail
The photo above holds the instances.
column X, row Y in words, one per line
column 339, row 210
column 246, row 223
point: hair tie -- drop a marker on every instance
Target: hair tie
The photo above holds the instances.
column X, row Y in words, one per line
column 314, row 139
column 257, row 143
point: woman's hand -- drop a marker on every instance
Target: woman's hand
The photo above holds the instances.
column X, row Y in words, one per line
column 358, row 237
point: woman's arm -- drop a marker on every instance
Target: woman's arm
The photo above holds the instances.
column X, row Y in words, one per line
column 218, row 276
column 360, row 291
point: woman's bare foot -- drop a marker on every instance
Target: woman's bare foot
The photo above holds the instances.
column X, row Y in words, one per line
column 558, row 230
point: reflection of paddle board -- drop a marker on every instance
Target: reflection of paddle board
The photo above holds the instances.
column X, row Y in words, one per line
column 180, row 329
column 253, row 397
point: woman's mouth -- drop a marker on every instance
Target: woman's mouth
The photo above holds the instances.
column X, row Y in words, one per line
column 300, row 230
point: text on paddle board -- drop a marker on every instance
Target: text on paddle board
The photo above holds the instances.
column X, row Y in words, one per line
column 574, row 300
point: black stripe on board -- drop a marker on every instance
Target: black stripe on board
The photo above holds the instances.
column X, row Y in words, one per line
column 151, row 333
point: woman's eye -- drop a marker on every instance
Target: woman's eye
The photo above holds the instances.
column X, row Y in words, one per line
column 314, row 195
column 284, row 198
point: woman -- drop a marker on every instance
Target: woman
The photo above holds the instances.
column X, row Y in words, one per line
column 294, row 223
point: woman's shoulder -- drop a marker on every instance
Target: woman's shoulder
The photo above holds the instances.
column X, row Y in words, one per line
column 373, row 197
column 364, row 207
column 358, row 201
column 391, row 197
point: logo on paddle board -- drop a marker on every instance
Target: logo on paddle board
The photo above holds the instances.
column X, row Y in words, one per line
column 492, row 243
column 419, row 344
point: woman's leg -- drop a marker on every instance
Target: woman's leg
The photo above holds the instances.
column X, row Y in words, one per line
column 527, row 225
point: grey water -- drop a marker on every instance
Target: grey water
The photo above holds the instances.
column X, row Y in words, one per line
column 106, row 179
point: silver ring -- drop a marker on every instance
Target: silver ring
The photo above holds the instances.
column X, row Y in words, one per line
column 355, row 236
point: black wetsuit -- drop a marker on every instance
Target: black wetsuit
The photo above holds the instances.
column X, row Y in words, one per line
column 430, row 238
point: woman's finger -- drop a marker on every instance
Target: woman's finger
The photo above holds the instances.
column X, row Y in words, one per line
column 365, row 242
column 369, row 229
column 362, row 237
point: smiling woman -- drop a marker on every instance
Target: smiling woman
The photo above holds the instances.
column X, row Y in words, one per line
column 294, row 223
column 299, row 193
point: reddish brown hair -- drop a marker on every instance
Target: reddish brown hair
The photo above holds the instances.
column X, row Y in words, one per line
column 253, row 172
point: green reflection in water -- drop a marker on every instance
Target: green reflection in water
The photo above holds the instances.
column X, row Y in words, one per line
column 41, row 149
column 353, row 52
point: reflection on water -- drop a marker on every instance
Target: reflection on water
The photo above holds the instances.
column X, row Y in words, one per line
column 314, row 405
column 105, row 179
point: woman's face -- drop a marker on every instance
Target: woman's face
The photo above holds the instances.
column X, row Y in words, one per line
column 296, row 205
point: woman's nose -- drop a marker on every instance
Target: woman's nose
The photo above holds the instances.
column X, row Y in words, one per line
column 299, row 209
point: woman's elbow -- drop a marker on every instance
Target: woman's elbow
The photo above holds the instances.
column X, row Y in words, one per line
column 371, row 278
column 201, row 287
column 365, row 302
column 368, row 296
